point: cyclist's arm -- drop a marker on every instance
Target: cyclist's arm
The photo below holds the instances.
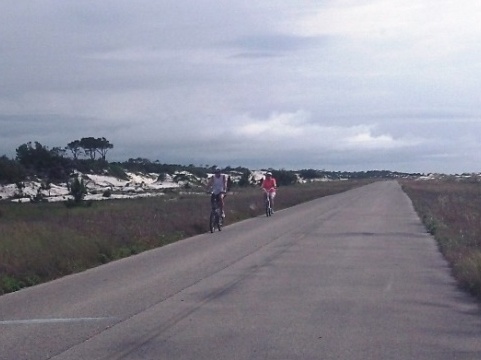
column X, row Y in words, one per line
column 267, row 191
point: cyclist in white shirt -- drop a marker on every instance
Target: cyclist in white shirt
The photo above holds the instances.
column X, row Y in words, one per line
column 218, row 186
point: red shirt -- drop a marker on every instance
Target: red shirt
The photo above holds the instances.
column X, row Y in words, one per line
column 269, row 184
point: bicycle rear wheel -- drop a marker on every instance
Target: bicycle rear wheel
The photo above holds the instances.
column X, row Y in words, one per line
column 212, row 222
column 268, row 208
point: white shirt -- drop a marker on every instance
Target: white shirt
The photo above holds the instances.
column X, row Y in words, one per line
column 218, row 184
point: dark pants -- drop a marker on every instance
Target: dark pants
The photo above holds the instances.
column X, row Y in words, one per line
column 217, row 199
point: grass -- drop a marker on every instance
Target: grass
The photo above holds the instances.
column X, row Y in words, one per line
column 40, row 242
column 451, row 211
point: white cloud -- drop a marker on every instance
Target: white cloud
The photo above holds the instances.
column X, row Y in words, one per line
column 374, row 19
column 277, row 126
column 366, row 140
column 359, row 19
column 297, row 130
column 399, row 30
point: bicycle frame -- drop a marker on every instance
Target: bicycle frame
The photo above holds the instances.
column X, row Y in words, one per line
column 267, row 199
column 215, row 220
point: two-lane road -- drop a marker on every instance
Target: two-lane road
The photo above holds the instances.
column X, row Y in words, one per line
column 349, row 276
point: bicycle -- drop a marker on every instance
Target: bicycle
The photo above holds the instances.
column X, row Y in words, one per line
column 267, row 200
column 216, row 221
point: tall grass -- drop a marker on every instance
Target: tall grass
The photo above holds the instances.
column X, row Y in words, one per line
column 451, row 211
column 43, row 241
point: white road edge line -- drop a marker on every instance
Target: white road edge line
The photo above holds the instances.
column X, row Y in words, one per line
column 52, row 321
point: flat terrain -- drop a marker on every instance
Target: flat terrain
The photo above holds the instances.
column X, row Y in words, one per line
column 348, row 276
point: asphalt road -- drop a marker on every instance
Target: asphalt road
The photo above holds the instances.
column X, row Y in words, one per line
column 349, row 276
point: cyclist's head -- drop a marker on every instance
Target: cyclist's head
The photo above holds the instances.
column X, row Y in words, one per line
column 217, row 171
column 268, row 174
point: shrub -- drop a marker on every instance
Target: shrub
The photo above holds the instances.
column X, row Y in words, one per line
column 117, row 171
column 78, row 189
column 11, row 171
column 468, row 270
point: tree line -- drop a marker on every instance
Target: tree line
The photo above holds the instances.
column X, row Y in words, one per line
column 53, row 164
column 88, row 155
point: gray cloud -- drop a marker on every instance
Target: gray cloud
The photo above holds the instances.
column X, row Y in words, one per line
column 350, row 86
column 273, row 45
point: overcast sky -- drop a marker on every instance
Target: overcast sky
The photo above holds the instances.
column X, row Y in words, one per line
column 325, row 84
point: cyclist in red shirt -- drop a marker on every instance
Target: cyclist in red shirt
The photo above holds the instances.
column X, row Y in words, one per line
column 269, row 185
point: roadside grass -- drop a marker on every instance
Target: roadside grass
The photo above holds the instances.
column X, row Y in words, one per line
column 451, row 211
column 40, row 242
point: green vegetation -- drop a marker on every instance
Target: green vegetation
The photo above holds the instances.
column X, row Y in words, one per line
column 451, row 211
column 43, row 241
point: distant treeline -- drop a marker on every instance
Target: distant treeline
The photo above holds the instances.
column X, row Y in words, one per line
column 88, row 155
